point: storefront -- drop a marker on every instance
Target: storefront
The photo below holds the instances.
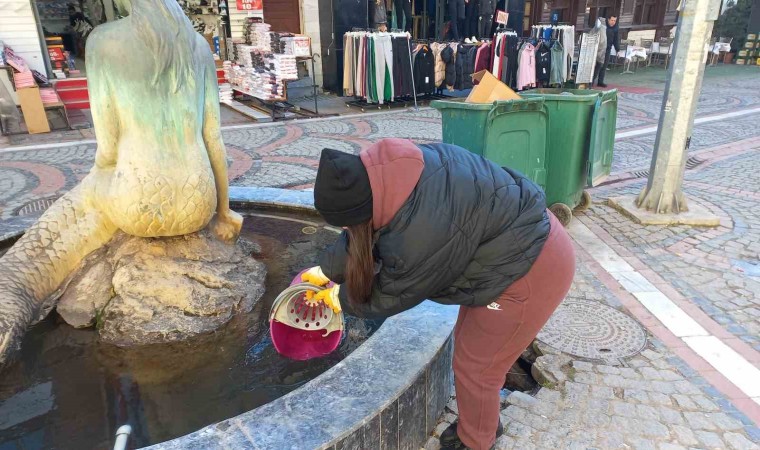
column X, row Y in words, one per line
column 659, row 15
column 51, row 35
column 67, row 24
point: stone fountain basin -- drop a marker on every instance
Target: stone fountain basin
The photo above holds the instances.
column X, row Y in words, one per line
column 387, row 394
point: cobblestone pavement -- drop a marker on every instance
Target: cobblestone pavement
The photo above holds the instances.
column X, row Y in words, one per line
column 635, row 153
column 651, row 401
column 286, row 155
column 716, row 269
column 664, row 398
column 718, row 96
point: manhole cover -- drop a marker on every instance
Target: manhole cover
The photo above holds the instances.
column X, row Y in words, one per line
column 592, row 330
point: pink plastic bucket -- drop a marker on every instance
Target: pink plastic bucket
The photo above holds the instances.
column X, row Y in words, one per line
column 300, row 344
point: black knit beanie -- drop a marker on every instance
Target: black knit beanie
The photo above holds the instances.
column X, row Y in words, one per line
column 342, row 193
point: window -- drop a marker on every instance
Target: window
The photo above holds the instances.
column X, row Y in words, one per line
column 560, row 9
column 645, row 12
column 600, row 8
column 527, row 17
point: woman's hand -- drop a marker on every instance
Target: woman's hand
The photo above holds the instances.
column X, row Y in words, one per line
column 226, row 225
column 315, row 276
column 330, row 298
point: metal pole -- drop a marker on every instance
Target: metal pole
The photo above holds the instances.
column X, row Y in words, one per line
column 411, row 69
column 663, row 191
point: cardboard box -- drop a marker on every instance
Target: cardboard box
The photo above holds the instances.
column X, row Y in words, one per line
column 489, row 89
column 33, row 109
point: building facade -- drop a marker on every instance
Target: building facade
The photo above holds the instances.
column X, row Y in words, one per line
column 660, row 15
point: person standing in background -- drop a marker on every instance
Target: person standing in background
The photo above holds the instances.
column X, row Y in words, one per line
column 472, row 14
column 485, row 21
column 456, row 15
column 403, row 13
column 379, row 15
column 613, row 40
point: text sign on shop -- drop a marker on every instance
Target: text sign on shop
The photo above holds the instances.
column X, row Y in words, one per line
column 502, row 17
column 250, row 5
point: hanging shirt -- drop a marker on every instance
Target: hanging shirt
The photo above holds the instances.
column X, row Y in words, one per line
column 483, row 58
column 526, row 71
column 547, row 34
column 543, row 63
column 558, row 62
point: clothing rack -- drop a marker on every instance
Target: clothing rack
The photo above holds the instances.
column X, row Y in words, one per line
column 361, row 82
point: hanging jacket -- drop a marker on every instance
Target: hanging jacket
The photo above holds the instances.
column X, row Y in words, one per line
column 483, row 58
column 447, row 56
column 424, row 71
column 454, row 228
column 459, row 67
column 440, row 65
column 558, row 62
column 469, row 66
column 543, row 63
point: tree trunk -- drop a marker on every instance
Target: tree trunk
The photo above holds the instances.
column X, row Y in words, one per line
column 663, row 191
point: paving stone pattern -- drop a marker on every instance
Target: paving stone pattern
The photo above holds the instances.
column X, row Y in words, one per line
column 286, row 154
column 717, row 269
column 650, row 401
column 635, row 153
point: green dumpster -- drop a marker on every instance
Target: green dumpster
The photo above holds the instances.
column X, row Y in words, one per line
column 603, row 127
column 581, row 123
column 511, row 133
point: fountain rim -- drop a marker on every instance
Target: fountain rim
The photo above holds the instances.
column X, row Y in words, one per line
column 401, row 372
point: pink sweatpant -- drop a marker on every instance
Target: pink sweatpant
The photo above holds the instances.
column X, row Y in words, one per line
column 488, row 340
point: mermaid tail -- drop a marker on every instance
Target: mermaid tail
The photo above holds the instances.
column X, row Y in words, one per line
column 34, row 271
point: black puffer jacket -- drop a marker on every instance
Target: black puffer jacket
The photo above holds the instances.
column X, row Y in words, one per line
column 467, row 231
column 447, row 55
column 459, row 67
column 469, row 66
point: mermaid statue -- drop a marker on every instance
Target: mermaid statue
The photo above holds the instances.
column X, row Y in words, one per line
column 160, row 166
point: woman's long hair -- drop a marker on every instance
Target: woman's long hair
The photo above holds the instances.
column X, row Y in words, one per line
column 360, row 264
column 168, row 33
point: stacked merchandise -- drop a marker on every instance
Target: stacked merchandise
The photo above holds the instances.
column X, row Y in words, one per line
column 225, row 89
column 750, row 54
column 48, row 95
column 277, row 44
column 298, row 46
column 265, row 62
column 260, row 73
column 225, row 93
column 257, row 34
column 23, row 80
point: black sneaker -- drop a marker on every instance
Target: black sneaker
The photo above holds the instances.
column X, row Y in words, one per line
column 602, row 85
column 450, row 439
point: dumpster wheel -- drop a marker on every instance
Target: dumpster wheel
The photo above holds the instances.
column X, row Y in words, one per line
column 585, row 203
column 563, row 213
